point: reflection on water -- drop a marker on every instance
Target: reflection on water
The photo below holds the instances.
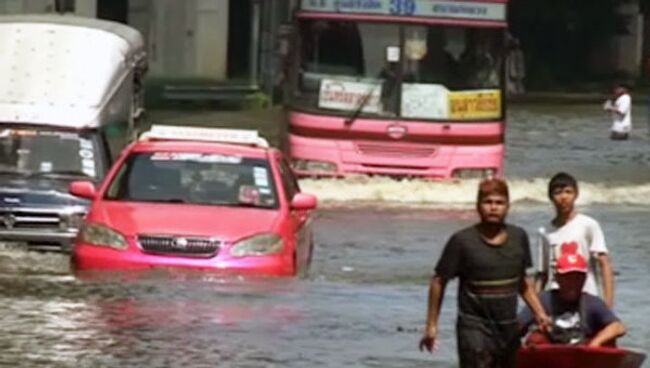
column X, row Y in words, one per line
column 363, row 304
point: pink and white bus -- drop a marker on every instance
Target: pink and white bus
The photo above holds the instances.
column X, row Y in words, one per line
column 398, row 87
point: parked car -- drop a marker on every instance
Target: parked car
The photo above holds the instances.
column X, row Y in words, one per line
column 214, row 199
column 70, row 96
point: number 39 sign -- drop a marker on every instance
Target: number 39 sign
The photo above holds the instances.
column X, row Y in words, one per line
column 402, row 7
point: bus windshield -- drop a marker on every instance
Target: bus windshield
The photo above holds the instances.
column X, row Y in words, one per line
column 399, row 71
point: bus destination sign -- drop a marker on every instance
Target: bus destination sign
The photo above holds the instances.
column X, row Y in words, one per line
column 412, row 8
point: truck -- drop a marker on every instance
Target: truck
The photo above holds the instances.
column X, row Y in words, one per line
column 71, row 97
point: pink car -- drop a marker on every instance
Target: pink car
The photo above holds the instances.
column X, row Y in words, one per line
column 194, row 202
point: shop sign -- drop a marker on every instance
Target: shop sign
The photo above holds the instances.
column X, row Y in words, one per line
column 349, row 96
column 482, row 104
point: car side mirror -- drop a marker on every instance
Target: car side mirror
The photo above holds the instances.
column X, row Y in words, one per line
column 84, row 189
column 303, row 201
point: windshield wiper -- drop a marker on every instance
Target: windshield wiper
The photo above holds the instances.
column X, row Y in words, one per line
column 238, row 204
column 59, row 173
column 386, row 76
column 362, row 104
column 168, row 200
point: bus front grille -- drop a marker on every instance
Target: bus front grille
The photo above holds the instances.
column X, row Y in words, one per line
column 395, row 150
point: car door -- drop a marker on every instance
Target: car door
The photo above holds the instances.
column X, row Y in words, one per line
column 300, row 219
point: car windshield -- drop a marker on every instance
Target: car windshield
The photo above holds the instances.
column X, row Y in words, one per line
column 392, row 70
column 46, row 152
column 194, row 178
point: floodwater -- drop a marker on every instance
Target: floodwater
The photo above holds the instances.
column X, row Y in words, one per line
column 363, row 304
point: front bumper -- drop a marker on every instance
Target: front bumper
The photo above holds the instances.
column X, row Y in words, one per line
column 46, row 240
column 87, row 257
column 409, row 160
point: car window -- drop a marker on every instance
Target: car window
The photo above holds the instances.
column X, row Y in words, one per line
column 194, row 178
column 50, row 152
column 289, row 182
column 117, row 137
column 113, row 190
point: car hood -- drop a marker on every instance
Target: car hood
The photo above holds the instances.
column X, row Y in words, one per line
column 42, row 193
column 226, row 223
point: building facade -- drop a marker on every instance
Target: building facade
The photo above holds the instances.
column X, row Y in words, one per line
column 205, row 49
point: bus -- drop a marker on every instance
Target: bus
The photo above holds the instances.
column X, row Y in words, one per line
column 409, row 88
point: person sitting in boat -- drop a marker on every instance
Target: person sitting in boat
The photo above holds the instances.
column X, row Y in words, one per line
column 578, row 318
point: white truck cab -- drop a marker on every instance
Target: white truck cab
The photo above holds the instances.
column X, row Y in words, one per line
column 70, row 96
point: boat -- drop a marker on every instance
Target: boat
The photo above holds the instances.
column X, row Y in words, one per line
column 577, row 356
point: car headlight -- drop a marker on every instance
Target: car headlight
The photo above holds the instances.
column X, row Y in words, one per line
column 258, row 245
column 75, row 221
column 102, row 236
column 474, row 173
column 314, row 166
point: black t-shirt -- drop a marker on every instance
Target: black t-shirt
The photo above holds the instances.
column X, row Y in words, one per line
column 489, row 275
column 586, row 317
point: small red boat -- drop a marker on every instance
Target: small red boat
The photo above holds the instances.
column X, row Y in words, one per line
column 577, row 356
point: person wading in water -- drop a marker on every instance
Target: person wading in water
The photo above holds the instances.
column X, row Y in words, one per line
column 620, row 107
column 490, row 260
column 572, row 228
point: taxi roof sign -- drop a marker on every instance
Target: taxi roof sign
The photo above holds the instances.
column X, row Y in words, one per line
column 221, row 135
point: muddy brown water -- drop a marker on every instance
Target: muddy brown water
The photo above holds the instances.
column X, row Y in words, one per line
column 363, row 303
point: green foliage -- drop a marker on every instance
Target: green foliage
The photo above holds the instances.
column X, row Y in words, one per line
column 257, row 100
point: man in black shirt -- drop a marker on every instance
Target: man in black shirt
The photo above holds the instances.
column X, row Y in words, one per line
column 490, row 260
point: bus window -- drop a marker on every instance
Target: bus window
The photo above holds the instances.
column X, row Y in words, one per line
column 388, row 70
column 342, row 62
column 457, row 58
column 333, row 47
column 452, row 73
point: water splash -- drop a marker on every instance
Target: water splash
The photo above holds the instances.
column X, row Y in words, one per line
column 420, row 192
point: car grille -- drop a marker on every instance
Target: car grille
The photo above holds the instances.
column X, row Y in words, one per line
column 179, row 245
column 395, row 150
column 29, row 219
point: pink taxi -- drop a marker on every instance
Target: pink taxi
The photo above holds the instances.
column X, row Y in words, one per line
column 214, row 199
